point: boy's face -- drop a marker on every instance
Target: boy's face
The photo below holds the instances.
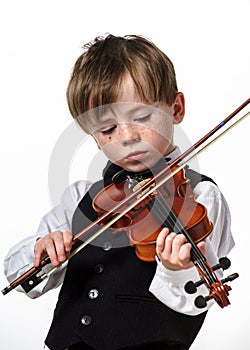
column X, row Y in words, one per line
column 134, row 135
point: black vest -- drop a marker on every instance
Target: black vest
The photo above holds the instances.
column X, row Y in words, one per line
column 104, row 300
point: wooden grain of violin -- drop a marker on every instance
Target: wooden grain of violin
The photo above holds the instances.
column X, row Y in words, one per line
column 171, row 205
column 165, row 199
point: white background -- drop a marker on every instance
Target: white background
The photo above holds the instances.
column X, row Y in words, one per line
column 208, row 41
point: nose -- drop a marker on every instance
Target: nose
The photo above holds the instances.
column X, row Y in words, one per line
column 129, row 133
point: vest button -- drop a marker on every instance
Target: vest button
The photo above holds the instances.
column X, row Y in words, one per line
column 107, row 246
column 99, row 268
column 93, row 293
column 86, row 320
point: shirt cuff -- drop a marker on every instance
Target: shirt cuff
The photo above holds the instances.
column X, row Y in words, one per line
column 175, row 277
column 168, row 287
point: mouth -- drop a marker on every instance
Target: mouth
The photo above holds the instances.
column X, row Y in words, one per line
column 138, row 155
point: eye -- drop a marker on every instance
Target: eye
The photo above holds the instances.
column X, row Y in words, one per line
column 109, row 130
column 143, row 119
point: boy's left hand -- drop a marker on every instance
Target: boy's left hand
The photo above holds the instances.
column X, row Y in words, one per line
column 174, row 251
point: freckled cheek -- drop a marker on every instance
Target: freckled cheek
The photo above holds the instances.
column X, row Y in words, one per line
column 102, row 141
column 158, row 139
column 113, row 150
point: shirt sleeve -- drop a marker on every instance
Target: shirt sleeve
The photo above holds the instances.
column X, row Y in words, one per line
column 168, row 285
column 20, row 257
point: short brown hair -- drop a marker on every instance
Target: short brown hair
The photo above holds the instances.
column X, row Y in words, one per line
column 98, row 73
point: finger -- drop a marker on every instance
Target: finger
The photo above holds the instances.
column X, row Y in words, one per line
column 50, row 247
column 181, row 252
column 38, row 251
column 165, row 255
column 185, row 254
column 67, row 238
column 202, row 247
column 178, row 242
column 44, row 246
column 160, row 242
column 59, row 245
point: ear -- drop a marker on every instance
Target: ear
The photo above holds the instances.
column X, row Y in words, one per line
column 179, row 108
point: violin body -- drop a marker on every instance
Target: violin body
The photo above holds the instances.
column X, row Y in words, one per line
column 145, row 221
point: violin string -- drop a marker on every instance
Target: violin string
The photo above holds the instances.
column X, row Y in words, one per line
column 196, row 255
column 167, row 217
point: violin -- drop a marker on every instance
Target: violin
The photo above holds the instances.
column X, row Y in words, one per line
column 163, row 200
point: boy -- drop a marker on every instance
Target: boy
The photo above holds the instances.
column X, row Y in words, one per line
column 123, row 92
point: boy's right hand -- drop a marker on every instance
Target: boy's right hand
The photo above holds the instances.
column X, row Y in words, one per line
column 56, row 245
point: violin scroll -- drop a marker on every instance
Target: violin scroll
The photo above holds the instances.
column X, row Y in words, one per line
column 218, row 290
column 201, row 301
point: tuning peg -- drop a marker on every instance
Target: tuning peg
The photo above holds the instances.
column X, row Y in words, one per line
column 230, row 277
column 224, row 264
column 201, row 301
column 191, row 287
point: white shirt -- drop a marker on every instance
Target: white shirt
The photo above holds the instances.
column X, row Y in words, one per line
column 167, row 285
